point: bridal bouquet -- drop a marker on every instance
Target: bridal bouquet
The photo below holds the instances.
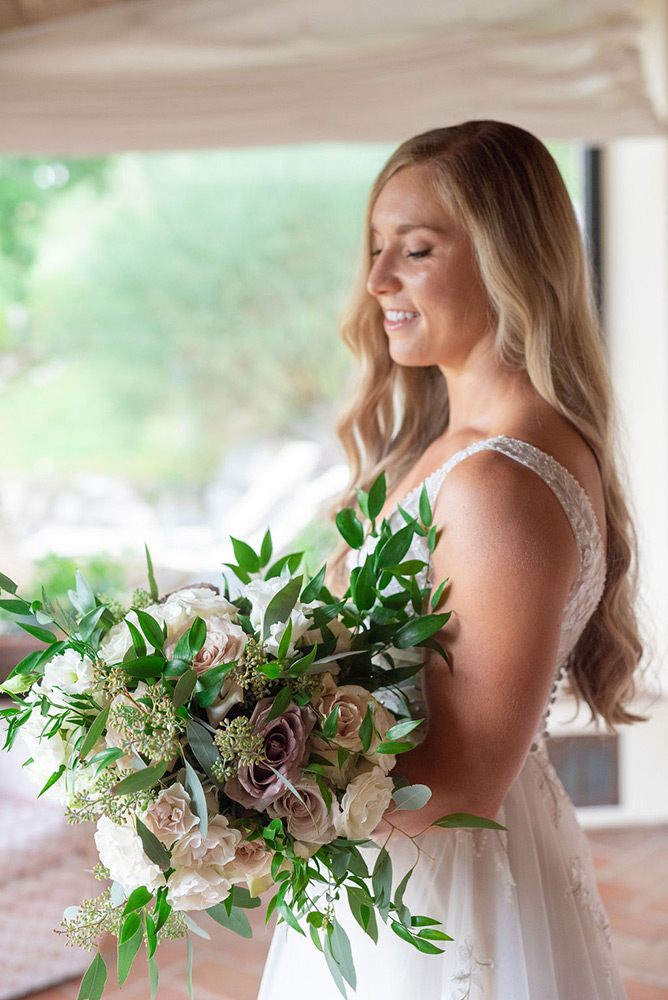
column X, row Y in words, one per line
column 228, row 746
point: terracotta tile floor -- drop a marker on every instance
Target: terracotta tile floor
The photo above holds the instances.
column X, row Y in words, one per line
column 632, row 867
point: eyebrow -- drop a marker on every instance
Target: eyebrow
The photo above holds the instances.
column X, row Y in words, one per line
column 407, row 227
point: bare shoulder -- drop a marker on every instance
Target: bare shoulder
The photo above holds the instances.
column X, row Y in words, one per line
column 495, row 514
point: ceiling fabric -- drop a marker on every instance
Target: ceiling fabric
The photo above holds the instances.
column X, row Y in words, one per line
column 177, row 74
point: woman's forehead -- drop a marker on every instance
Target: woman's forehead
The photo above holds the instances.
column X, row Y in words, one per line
column 408, row 200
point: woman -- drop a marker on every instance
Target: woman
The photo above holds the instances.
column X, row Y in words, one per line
column 484, row 377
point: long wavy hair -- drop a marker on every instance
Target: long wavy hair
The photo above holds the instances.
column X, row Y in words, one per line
column 504, row 186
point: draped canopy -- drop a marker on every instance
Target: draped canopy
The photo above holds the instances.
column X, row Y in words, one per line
column 96, row 76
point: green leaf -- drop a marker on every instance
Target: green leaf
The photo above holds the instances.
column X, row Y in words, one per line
column 342, row 953
column 90, row 621
column 402, row 729
column 456, row 820
column 16, row 607
column 312, row 589
column 85, row 595
column 128, row 945
column 377, row 496
column 153, row 586
column 280, row 703
column 246, row 556
column 242, row 897
column 184, row 688
column 366, row 729
column 150, row 628
column 214, row 676
column 363, row 501
column 162, row 909
column 137, row 639
column 425, row 506
column 94, row 980
column 438, row 593
column 7, row 584
column 197, row 635
column 395, row 746
column 142, row 667
column 266, row 549
column 331, row 724
column 39, row 633
column 332, row 964
column 197, row 799
column 236, row 920
column 151, row 943
column 53, row 779
column 136, row 782
column 203, row 747
column 154, row 849
column 395, row 548
column 431, row 934
column 410, row 567
column 432, row 537
column 189, row 966
column 412, row 796
column 365, row 585
column 381, row 879
column 94, row 733
column 350, row 528
column 418, row 629
column 137, row 899
column 284, row 644
column 280, row 606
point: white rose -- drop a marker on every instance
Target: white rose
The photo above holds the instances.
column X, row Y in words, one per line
column 170, row 816
column 365, row 800
column 121, row 851
column 260, row 593
column 115, row 644
column 231, row 693
column 182, row 607
column 47, row 755
column 197, row 888
column 216, row 849
column 69, row 672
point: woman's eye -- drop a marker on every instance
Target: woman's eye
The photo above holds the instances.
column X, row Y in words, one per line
column 418, row 253
column 374, row 253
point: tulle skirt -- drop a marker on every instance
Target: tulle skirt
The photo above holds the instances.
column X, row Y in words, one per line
column 522, row 907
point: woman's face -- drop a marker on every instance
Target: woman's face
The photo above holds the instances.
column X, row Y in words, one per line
column 425, row 277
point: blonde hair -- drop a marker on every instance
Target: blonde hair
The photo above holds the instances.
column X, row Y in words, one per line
column 505, row 187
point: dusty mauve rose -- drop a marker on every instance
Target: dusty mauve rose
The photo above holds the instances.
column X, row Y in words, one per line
column 284, row 744
column 366, row 799
column 214, row 851
column 224, row 642
column 170, row 816
column 310, row 819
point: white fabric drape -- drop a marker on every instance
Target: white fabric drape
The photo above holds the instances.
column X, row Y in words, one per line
column 152, row 74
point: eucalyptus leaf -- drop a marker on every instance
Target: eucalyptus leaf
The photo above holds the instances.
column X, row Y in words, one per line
column 381, row 879
column 7, row 584
column 468, row 820
column 236, row 920
column 197, row 799
column 203, row 747
column 94, row 980
column 136, row 782
column 412, row 796
column 342, row 953
column 154, row 849
column 129, row 944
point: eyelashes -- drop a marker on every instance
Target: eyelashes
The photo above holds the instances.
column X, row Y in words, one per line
column 414, row 253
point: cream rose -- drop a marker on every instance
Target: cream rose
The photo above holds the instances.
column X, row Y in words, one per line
column 309, row 819
column 215, row 850
column 364, row 802
column 170, row 816
column 197, row 888
column 121, row 851
column 251, row 862
column 116, row 642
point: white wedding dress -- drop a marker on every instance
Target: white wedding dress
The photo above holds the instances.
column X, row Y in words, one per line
column 522, row 905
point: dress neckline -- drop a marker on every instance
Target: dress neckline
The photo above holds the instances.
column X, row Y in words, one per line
column 503, row 437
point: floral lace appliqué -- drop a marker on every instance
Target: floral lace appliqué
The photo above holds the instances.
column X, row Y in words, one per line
column 467, row 980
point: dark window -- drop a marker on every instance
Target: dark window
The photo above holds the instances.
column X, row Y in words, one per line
column 588, row 767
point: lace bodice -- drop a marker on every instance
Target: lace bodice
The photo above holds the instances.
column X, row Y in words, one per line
column 588, row 587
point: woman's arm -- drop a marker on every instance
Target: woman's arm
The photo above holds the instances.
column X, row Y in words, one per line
column 508, row 548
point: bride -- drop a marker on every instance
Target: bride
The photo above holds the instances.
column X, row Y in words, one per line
column 484, row 377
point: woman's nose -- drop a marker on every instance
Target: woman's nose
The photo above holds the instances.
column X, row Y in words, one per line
column 382, row 277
